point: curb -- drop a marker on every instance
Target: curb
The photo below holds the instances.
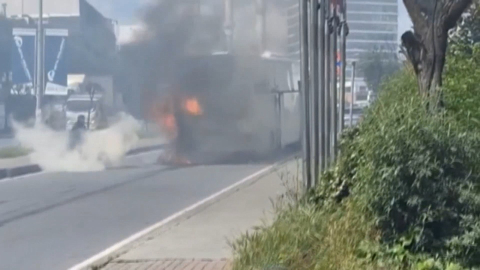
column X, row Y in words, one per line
column 34, row 168
column 102, row 259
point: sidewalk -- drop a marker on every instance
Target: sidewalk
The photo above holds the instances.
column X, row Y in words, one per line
column 201, row 241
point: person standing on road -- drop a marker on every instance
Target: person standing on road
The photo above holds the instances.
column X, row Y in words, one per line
column 80, row 124
column 76, row 135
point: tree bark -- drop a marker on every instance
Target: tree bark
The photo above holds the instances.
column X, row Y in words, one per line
column 426, row 47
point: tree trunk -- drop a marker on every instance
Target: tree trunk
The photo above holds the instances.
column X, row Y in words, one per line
column 426, row 47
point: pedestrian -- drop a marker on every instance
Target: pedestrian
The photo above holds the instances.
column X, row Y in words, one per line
column 76, row 134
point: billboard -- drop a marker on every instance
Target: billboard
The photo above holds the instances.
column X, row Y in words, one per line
column 55, row 64
column 56, row 69
column 23, row 56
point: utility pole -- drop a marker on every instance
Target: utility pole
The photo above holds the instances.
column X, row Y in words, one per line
column 343, row 60
column 334, row 86
column 321, row 101
column 40, row 65
column 352, row 92
column 305, row 91
column 314, row 86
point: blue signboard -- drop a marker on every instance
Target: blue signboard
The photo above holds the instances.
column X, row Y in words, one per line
column 56, row 70
column 23, row 56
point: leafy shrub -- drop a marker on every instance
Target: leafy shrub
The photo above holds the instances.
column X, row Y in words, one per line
column 413, row 183
column 462, row 84
column 417, row 174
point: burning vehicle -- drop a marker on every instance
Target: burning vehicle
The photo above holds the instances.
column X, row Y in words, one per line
column 208, row 80
column 229, row 104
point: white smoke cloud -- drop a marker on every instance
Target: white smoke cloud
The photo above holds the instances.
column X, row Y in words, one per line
column 98, row 150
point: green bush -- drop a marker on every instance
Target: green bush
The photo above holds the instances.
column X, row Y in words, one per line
column 413, row 181
column 417, row 174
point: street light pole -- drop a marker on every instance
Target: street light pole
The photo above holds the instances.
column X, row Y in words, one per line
column 314, row 86
column 326, row 105
column 304, row 66
column 334, row 102
column 343, row 60
column 352, row 92
column 321, row 74
column 40, row 65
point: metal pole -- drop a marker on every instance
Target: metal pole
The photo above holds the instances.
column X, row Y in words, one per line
column 343, row 60
column 334, row 88
column 314, row 92
column 328, row 60
column 352, row 92
column 261, row 24
column 229, row 25
column 40, row 65
column 307, row 176
column 321, row 101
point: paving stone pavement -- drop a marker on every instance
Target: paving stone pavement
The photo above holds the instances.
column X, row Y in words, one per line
column 170, row 264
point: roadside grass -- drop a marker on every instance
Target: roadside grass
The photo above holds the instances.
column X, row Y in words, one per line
column 13, row 152
column 304, row 237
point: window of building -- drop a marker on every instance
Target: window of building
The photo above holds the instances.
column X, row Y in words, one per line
column 369, row 46
column 372, row 36
column 372, row 17
column 363, row 26
column 353, row 7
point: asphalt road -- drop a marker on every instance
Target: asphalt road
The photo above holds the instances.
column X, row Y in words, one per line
column 56, row 220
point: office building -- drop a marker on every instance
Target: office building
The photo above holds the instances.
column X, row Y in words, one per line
column 373, row 26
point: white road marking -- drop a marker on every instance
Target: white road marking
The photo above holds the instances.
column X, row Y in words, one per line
column 138, row 235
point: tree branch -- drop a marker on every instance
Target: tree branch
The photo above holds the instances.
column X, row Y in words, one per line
column 418, row 10
column 454, row 10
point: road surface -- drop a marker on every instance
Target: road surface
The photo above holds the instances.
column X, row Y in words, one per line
column 55, row 220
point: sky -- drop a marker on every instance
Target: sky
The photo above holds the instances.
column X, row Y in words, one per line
column 404, row 22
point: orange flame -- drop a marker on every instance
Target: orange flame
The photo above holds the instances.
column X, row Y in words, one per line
column 169, row 123
column 192, row 106
column 162, row 114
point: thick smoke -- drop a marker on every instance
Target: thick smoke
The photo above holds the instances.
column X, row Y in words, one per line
column 98, row 150
column 236, row 93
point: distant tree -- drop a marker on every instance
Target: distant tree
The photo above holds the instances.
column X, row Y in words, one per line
column 426, row 46
column 377, row 65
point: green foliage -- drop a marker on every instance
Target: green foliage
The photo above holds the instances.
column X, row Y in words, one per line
column 414, row 184
column 417, row 174
column 462, row 84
